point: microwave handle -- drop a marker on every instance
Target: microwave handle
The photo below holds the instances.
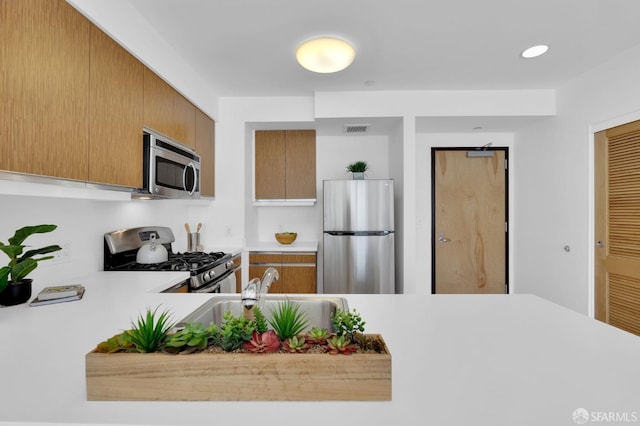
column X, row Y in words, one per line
column 184, row 179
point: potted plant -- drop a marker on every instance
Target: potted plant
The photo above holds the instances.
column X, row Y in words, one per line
column 358, row 168
column 15, row 288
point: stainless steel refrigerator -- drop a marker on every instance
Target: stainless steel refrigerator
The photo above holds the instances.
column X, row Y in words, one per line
column 358, row 237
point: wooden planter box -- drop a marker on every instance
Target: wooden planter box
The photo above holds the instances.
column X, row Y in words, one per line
column 238, row 377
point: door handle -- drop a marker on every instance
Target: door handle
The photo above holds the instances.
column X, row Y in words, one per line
column 600, row 244
column 442, row 239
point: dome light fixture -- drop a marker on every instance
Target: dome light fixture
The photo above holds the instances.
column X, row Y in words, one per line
column 535, row 51
column 325, row 54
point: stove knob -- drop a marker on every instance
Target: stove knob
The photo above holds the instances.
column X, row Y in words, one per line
column 209, row 275
column 229, row 264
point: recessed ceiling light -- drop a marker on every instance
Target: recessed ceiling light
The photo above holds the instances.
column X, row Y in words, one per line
column 325, row 54
column 535, row 51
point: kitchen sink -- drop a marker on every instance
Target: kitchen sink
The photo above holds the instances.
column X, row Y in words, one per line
column 318, row 308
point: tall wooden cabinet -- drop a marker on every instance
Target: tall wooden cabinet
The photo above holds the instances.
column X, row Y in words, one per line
column 297, row 271
column 116, row 115
column 285, row 165
column 205, row 147
column 45, row 89
column 167, row 111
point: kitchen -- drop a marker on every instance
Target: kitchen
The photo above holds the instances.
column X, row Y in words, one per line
column 605, row 95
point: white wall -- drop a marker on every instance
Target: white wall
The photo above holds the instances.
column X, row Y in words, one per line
column 554, row 200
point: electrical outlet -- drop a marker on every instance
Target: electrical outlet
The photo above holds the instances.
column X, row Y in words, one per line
column 227, row 231
column 64, row 254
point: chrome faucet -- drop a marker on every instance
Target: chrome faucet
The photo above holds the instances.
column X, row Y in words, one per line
column 251, row 293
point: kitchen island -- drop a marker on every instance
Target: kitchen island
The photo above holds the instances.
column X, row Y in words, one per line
column 456, row 360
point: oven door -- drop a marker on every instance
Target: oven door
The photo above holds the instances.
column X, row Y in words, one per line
column 224, row 284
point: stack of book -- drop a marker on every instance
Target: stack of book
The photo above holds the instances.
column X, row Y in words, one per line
column 58, row 294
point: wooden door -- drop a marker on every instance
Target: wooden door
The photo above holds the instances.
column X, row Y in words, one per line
column 116, row 119
column 270, row 167
column 617, row 226
column 205, row 147
column 44, row 120
column 300, row 159
column 469, row 221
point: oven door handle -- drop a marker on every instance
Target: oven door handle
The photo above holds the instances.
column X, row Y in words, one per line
column 215, row 286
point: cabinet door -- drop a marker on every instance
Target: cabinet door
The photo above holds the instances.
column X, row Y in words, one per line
column 167, row 111
column 270, row 165
column 299, row 279
column 257, row 271
column 299, row 272
column 45, row 90
column 116, row 101
column 300, row 164
column 205, row 147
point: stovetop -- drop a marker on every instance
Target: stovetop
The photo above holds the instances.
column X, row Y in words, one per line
column 194, row 262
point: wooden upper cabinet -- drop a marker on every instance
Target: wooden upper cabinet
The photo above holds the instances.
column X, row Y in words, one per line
column 45, row 90
column 270, row 165
column 167, row 111
column 116, row 102
column 285, row 164
column 301, row 164
column 205, row 147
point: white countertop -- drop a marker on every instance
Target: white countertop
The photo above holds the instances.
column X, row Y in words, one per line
column 457, row 360
column 271, row 246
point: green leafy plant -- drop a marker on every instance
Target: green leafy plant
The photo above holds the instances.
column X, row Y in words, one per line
column 118, row 343
column 318, row 336
column 262, row 342
column 358, row 167
column 347, row 323
column 288, row 320
column 193, row 336
column 296, row 344
column 261, row 321
column 340, row 345
column 22, row 263
column 235, row 331
column 150, row 331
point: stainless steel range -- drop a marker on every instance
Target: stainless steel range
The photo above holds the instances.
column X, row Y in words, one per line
column 209, row 271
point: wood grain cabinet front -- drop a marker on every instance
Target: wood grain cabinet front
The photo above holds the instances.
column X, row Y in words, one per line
column 116, row 116
column 205, row 147
column 285, row 165
column 167, row 111
column 297, row 270
column 45, row 91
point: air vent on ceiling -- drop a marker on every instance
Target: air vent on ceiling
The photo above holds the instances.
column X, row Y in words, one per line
column 355, row 128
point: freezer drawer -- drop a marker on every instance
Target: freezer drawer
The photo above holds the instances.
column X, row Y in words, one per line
column 362, row 264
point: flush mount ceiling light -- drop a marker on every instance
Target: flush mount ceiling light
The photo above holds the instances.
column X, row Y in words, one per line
column 325, row 54
column 535, row 51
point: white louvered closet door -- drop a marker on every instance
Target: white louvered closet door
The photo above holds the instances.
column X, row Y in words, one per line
column 617, row 226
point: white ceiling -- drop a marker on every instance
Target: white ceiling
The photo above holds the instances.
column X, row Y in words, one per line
column 247, row 47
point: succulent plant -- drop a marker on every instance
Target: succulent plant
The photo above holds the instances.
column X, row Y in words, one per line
column 347, row 323
column 340, row 345
column 261, row 321
column 288, row 320
column 118, row 343
column 318, row 336
column 263, row 342
column 150, row 331
column 296, row 344
column 235, row 331
column 193, row 336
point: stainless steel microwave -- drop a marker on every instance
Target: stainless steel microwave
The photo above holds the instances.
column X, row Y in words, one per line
column 171, row 169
